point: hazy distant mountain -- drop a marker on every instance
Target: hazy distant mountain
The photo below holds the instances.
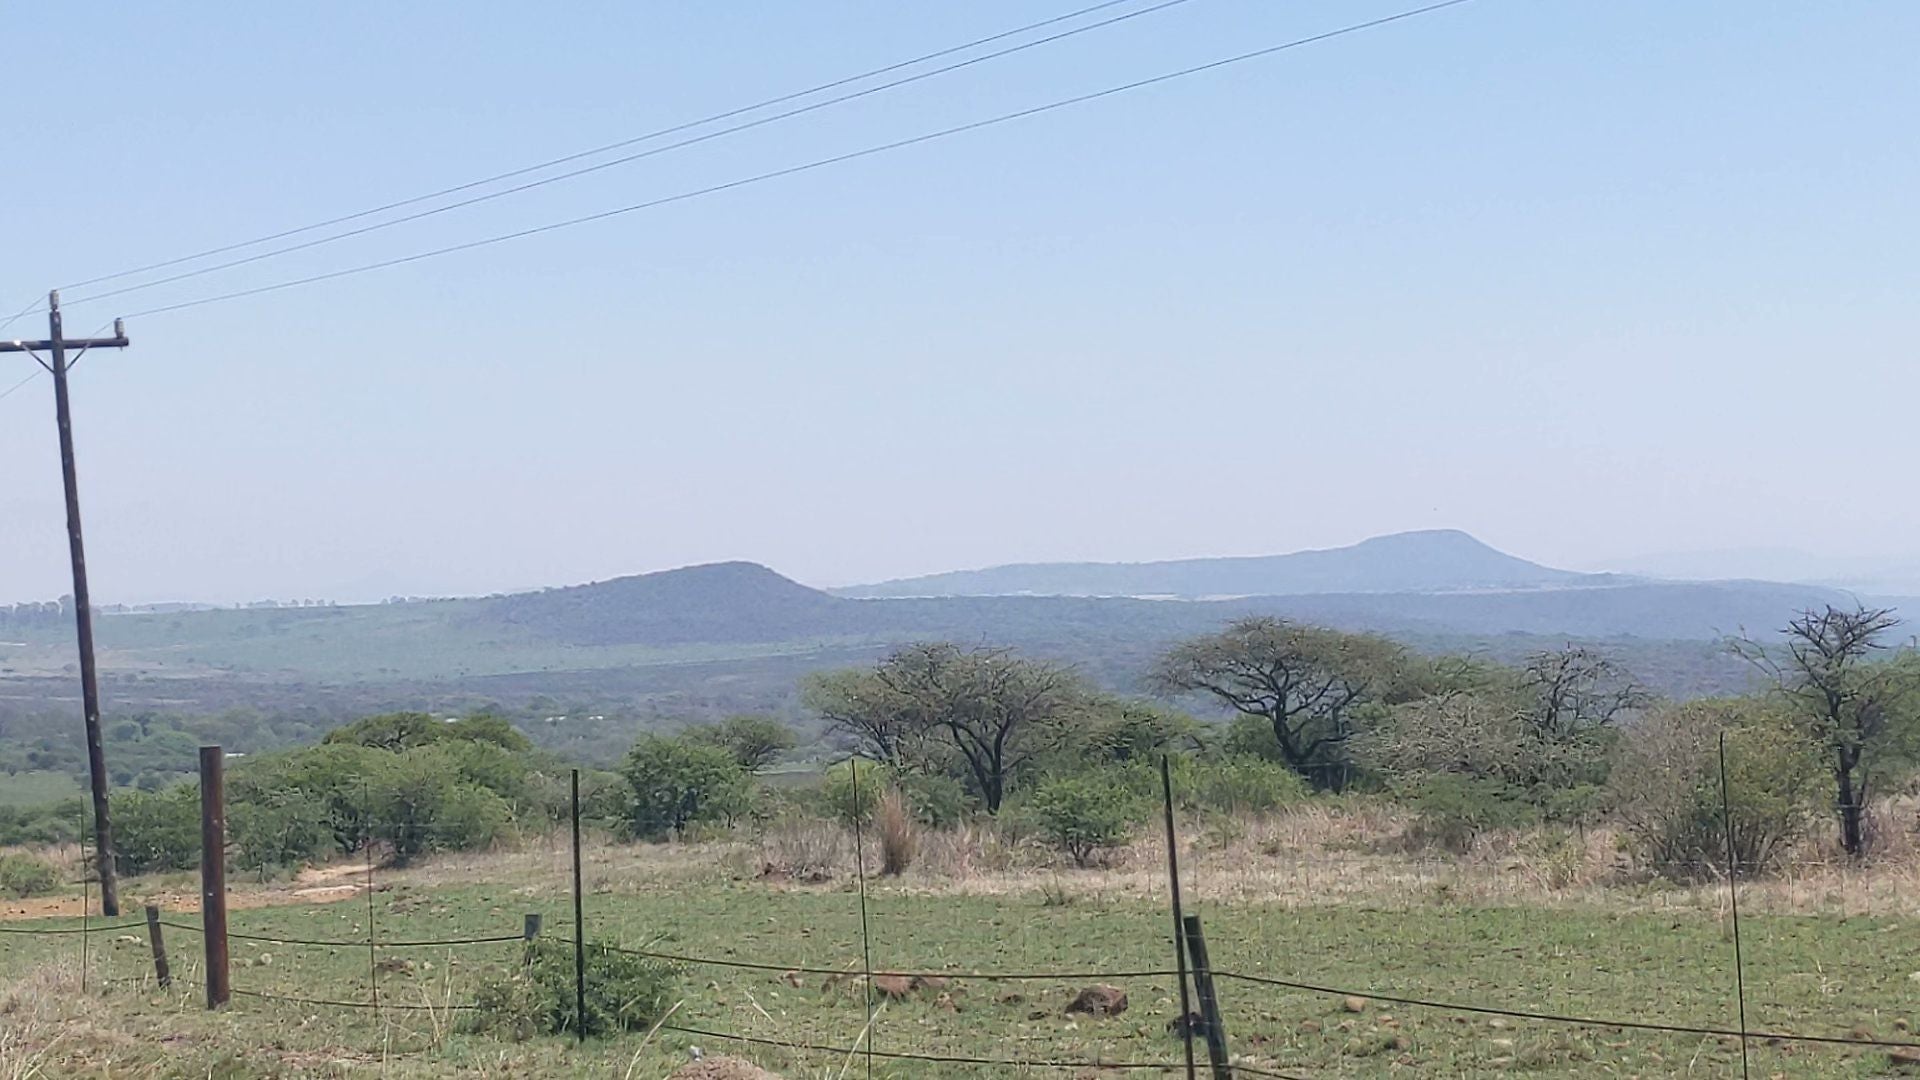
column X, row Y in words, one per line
column 1877, row 576
column 714, row 603
column 739, row 636
column 1438, row 560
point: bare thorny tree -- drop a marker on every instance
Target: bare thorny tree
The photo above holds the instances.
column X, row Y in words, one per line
column 1576, row 690
column 1855, row 704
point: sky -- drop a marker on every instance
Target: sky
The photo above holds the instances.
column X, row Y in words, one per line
column 1588, row 280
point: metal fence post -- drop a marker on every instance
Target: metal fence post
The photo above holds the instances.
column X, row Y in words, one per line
column 579, row 924
column 1179, row 927
column 1216, row 1030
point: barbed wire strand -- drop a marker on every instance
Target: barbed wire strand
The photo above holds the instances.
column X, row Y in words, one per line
column 61, row 930
column 361, row 943
column 1560, row 1018
column 801, row 969
column 943, row 1059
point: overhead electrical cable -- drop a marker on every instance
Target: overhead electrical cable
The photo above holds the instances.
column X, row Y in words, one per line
column 658, row 133
column 809, row 166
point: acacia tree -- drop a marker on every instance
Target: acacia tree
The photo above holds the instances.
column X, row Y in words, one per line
column 755, row 741
column 1309, row 683
column 1575, row 691
column 1856, row 705
column 884, row 710
column 985, row 712
column 1001, row 712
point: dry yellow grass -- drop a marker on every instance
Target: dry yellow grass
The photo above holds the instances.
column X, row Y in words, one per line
column 1320, row 853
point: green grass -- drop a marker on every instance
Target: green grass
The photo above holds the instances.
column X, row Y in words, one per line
column 37, row 788
column 1806, row 975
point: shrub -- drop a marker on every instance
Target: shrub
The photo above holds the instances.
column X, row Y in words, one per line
column 756, row 742
column 624, row 993
column 1243, row 785
column 849, row 799
column 676, row 782
column 156, row 830
column 938, row 801
column 899, row 835
column 1452, row 810
column 421, row 803
column 22, row 876
column 1667, row 787
column 1084, row 815
column 285, row 828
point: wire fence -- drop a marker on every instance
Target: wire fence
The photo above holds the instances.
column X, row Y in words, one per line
column 321, row 975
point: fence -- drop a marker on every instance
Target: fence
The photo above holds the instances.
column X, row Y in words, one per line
column 343, row 957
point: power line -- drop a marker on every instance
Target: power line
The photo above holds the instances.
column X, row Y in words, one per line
column 819, row 163
column 9, row 391
column 629, row 158
column 565, row 159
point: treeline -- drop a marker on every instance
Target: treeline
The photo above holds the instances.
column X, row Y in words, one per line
column 145, row 750
column 935, row 734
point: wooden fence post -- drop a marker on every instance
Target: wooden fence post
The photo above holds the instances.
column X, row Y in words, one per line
column 213, row 871
column 160, row 970
column 1216, row 1030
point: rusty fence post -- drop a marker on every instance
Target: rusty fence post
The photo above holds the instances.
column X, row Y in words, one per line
column 161, row 971
column 1216, row 1030
column 213, row 871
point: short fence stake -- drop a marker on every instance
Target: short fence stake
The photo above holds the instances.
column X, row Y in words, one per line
column 160, row 970
column 1209, row 1002
column 213, row 871
column 579, row 925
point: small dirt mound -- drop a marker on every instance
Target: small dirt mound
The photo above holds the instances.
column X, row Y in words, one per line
column 721, row 1068
column 1099, row 1000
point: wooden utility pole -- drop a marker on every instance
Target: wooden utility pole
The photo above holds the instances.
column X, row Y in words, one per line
column 56, row 349
column 213, row 872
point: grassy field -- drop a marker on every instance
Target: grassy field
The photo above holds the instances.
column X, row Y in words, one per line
column 38, row 788
column 1442, row 930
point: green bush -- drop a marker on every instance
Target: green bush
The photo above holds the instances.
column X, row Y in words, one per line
column 1453, row 810
column 624, row 993
column 1666, row 786
column 1084, row 815
column 156, row 830
column 674, row 783
column 756, row 742
column 285, row 828
column 22, row 876
column 1246, row 785
column 937, row 800
column 846, row 802
column 422, row 803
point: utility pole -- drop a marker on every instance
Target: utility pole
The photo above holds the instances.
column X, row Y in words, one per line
column 56, row 349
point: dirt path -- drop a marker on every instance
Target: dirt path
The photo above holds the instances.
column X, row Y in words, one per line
column 314, row 885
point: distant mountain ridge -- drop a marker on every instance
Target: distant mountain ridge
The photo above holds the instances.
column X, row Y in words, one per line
column 1427, row 561
column 740, row 636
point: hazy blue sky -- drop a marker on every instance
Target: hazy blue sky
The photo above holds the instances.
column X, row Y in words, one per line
column 1586, row 279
